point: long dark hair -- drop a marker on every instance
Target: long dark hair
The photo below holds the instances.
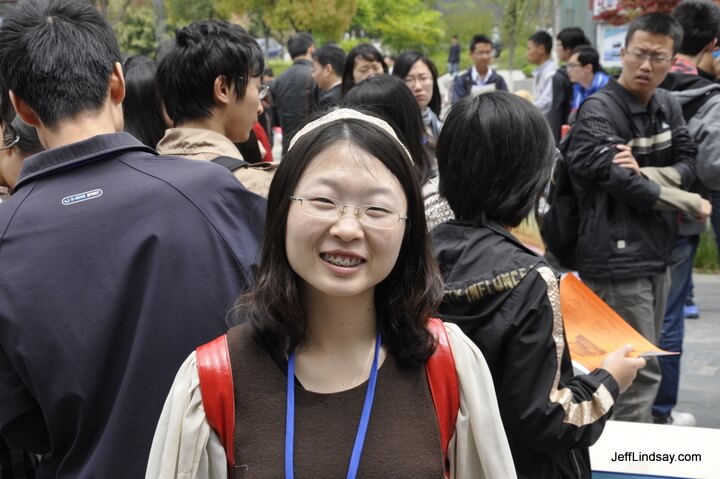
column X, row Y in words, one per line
column 389, row 97
column 404, row 63
column 142, row 106
column 404, row 300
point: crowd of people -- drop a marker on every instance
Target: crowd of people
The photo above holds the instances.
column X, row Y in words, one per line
column 174, row 303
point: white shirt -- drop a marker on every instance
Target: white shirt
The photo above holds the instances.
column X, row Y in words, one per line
column 542, row 85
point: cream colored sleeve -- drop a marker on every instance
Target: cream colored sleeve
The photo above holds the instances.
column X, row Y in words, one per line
column 671, row 196
column 184, row 445
column 479, row 448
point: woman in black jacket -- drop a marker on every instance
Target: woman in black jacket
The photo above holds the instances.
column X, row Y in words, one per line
column 506, row 298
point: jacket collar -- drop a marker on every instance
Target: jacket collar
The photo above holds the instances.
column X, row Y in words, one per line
column 631, row 102
column 197, row 143
column 495, row 228
column 76, row 154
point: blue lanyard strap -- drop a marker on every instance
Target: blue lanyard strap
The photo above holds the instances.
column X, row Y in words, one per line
column 364, row 417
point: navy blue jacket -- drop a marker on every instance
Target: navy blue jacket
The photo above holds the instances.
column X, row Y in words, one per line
column 116, row 264
column 462, row 84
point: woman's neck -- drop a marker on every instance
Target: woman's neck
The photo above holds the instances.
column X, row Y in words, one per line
column 338, row 322
column 341, row 333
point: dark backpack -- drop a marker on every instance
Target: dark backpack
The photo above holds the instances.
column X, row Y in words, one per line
column 560, row 226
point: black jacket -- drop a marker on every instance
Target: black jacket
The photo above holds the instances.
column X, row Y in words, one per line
column 462, row 84
column 621, row 235
column 562, row 98
column 506, row 299
column 290, row 93
column 117, row 263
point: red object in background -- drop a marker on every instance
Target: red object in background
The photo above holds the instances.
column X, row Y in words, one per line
column 564, row 131
column 264, row 140
column 627, row 10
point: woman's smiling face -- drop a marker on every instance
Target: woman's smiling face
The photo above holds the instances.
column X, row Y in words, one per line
column 343, row 255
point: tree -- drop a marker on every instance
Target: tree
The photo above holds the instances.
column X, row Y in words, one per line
column 627, row 10
column 516, row 17
column 400, row 24
column 325, row 19
column 182, row 12
column 136, row 31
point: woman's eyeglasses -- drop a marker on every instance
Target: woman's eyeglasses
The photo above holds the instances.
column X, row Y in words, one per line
column 331, row 209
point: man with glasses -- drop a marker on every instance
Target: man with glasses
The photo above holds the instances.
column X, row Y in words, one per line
column 625, row 236
column 219, row 107
column 585, row 73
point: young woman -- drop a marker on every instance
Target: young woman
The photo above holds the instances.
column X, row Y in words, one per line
column 341, row 305
column 505, row 297
column 388, row 96
column 420, row 75
column 362, row 62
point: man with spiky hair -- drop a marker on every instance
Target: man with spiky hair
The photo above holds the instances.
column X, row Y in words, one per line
column 626, row 225
column 116, row 262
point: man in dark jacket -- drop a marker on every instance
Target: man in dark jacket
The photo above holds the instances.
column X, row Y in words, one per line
column 480, row 77
column 562, row 89
column 327, row 72
column 292, row 90
column 624, row 242
column 116, row 262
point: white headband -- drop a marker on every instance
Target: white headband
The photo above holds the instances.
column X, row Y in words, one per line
column 348, row 113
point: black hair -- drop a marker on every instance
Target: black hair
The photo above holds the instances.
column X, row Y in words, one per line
column 499, row 172
column 142, row 106
column 403, row 65
column 202, row 52
column 365, row 51
column 572, row 37
column 268, row 72
column 700, row 21
column 331, row 55
column 388, row 97
column 480, row 39
column 542, row 39
column 404, row 300
column 57, row 56
column 299, row 43
column 587, row 55
column 250, row 149
column 29, row 143
column 658, row 24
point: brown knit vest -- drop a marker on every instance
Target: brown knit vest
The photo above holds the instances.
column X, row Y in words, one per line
column 403, row 437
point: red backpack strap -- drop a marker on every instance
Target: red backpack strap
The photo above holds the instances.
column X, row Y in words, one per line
column 443, row 382
column 216, row 386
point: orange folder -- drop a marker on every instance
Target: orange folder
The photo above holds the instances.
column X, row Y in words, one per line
column 594, row 329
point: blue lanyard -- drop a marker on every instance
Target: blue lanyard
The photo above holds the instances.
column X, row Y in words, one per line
column 362, row 428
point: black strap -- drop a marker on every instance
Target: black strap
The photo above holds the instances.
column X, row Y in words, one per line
column 230, row 163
